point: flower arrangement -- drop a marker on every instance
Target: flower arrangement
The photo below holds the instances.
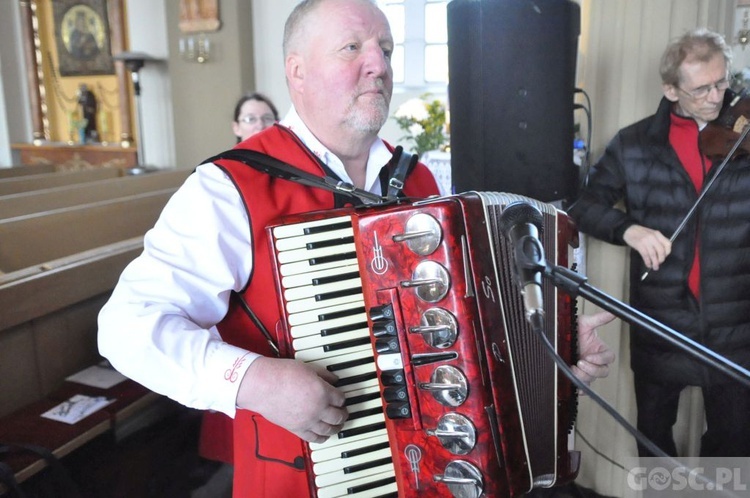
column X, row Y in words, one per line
column 423, row 121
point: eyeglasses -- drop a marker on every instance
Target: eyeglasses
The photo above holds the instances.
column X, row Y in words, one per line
column 702, row 91
column 267, row 119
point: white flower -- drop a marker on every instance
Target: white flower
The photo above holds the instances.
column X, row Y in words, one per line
column 415, row 130
column 415, row 109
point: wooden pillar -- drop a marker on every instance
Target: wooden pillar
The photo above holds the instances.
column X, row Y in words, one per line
column 117, row 43
column 33, row 58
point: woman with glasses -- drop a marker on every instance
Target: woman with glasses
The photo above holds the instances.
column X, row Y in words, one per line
column 699, row 283
column 253, row 113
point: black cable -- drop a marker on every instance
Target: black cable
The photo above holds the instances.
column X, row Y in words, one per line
column 595, row 450
column 563, row 366
column 589, row 135
column 652, row 448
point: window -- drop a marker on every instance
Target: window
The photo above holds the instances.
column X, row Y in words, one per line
column 420, row 33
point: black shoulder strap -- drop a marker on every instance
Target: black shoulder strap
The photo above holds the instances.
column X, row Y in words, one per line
column 279, row 169
column 405, row 162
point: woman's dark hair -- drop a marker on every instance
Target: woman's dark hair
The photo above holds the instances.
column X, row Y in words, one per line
column 255, row 96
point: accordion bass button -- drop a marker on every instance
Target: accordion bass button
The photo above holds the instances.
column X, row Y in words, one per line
column 463, row 479
column 456, row 433
column 423, row 234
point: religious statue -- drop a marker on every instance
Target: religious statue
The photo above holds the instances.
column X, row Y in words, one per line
column 87, row 103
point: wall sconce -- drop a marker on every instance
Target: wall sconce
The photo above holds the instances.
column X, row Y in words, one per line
column 743, row 35
column 195, row 48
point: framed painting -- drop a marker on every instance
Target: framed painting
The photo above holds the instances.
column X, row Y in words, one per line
column 82, row 37
column 199, row 15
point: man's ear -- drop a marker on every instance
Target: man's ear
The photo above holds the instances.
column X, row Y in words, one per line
column 295, row 71
column 670, row 92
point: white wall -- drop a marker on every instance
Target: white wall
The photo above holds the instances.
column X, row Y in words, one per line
column 5, row 156
column 15, row 118
column 146, row 20
column 268, row 27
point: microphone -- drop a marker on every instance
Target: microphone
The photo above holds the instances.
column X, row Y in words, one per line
column 522, row 223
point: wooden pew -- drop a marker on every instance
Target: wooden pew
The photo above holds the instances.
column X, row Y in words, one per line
column 23, row 170
column 25, row 429
column 61, row 266
column 34, row 239
column 25, row 183
column 59, row 269
column 34, row 201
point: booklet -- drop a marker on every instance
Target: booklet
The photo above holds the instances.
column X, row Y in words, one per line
column 76, row 408
column 101, row 375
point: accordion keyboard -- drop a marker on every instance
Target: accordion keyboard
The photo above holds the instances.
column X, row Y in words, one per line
column 327, row 322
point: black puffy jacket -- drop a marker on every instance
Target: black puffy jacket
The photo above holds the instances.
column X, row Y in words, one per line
column 640, row 168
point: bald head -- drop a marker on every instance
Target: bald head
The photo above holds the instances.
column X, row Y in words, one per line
column 296, row 23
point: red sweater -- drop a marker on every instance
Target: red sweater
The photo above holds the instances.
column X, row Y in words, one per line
column 683, row 136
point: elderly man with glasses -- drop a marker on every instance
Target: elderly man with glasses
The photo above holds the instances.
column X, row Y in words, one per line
column 638, row 194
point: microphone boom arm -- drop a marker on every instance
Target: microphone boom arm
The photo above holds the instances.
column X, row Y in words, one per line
column 576, row 284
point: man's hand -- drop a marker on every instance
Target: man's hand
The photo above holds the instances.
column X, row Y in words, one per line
column 594, row 355
column 650, row 244
column 292, row 395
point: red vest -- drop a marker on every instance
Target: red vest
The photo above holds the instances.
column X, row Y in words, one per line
column 268, row 459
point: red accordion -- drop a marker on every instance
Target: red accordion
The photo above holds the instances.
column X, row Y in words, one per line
column 413, row 306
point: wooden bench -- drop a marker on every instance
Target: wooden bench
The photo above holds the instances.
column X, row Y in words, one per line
column 60, row 267
column 23, row 170
column 27, row 428
column 36, row 238
column 34, row 201
column 25, row 183
column 48, row 332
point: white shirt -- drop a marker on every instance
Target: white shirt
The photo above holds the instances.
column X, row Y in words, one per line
column 158, row 327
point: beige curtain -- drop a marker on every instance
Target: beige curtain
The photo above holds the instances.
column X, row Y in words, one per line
column 620, row 46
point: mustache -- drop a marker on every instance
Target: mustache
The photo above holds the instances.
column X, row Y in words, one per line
column 378, row 85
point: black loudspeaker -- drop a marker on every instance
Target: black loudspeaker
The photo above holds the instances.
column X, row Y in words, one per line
column 512, row 70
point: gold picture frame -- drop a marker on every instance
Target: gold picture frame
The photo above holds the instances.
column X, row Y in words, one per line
column 82, row 37
column 199, row 16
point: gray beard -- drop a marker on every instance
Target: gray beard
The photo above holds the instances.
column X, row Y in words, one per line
column 371, row 120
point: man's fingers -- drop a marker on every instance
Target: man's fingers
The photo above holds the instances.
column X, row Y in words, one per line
column 597, row 319
column 334, row 416
column 588, row 372
column 311, row 437
column 327, row 376
column 604, row 358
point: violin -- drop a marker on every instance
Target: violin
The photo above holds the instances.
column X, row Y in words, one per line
column 719, row 137
column 722, row 139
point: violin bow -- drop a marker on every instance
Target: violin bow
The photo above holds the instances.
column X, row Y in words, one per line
column 705, row 189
